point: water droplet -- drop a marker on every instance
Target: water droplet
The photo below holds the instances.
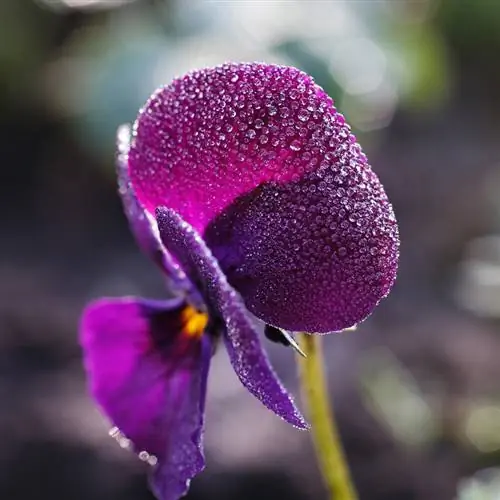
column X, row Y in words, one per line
column 258, row 123
column 272, row 110
column 285, row 112
column 303, row 115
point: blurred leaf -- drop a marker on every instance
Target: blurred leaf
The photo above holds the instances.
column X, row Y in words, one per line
column 472, row 24
column 107, row 75
column 485, row 485
column 419, row 63
column 25, row 34
column 478, row 277
column 482, row 426
column 395, row 399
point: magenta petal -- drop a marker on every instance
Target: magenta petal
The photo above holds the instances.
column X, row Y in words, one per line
column 142, row 224
column 242, row 340
column 259, row 161
column 150, row 380
column 217, row 133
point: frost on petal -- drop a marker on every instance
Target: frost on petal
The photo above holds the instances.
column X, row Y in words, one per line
column 150, row 380
column 242, row 340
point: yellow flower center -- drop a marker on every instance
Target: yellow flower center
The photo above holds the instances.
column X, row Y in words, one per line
column 194, row 322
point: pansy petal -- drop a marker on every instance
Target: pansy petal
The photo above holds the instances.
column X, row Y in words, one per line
column 142, row 224
column 307, row 262
column 150, row 380
column 242, row 340
column 215, row 134
column 259, row 161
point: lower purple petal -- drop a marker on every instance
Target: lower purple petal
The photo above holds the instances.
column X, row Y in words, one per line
column 150, row 379
column 242, row 340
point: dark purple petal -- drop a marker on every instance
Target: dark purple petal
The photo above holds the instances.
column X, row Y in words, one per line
column 307, row 262
column 142, row 224
column 242, row 340
column 150, row 380
column 258, row 160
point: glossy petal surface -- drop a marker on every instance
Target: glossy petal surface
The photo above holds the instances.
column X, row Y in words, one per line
column 150, row 381
column 241, row 337
column 258, row 160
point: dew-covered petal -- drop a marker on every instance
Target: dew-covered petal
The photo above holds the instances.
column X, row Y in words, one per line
column 150, row 380
column 305, row 260
column 241, row 337
column 258, row 160
column 217, row 133
column 142, row 224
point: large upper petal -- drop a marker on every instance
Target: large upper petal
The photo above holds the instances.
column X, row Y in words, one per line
column 150, row 380
column 258, row 160
column 217, row 133
column 242, row 340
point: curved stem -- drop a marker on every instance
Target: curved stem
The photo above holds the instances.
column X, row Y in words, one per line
column 328, row 446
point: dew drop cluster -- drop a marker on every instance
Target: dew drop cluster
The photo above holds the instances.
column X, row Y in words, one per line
column 259, row 161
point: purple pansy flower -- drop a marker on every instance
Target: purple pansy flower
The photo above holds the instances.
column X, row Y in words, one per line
column 244, row 184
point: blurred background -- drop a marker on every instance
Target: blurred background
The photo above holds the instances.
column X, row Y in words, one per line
column 416, row 387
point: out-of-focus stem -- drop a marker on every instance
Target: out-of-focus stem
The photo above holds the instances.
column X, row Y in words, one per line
column 329, row 451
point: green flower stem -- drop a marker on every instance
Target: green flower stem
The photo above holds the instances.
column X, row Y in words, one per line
column 329, row 451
